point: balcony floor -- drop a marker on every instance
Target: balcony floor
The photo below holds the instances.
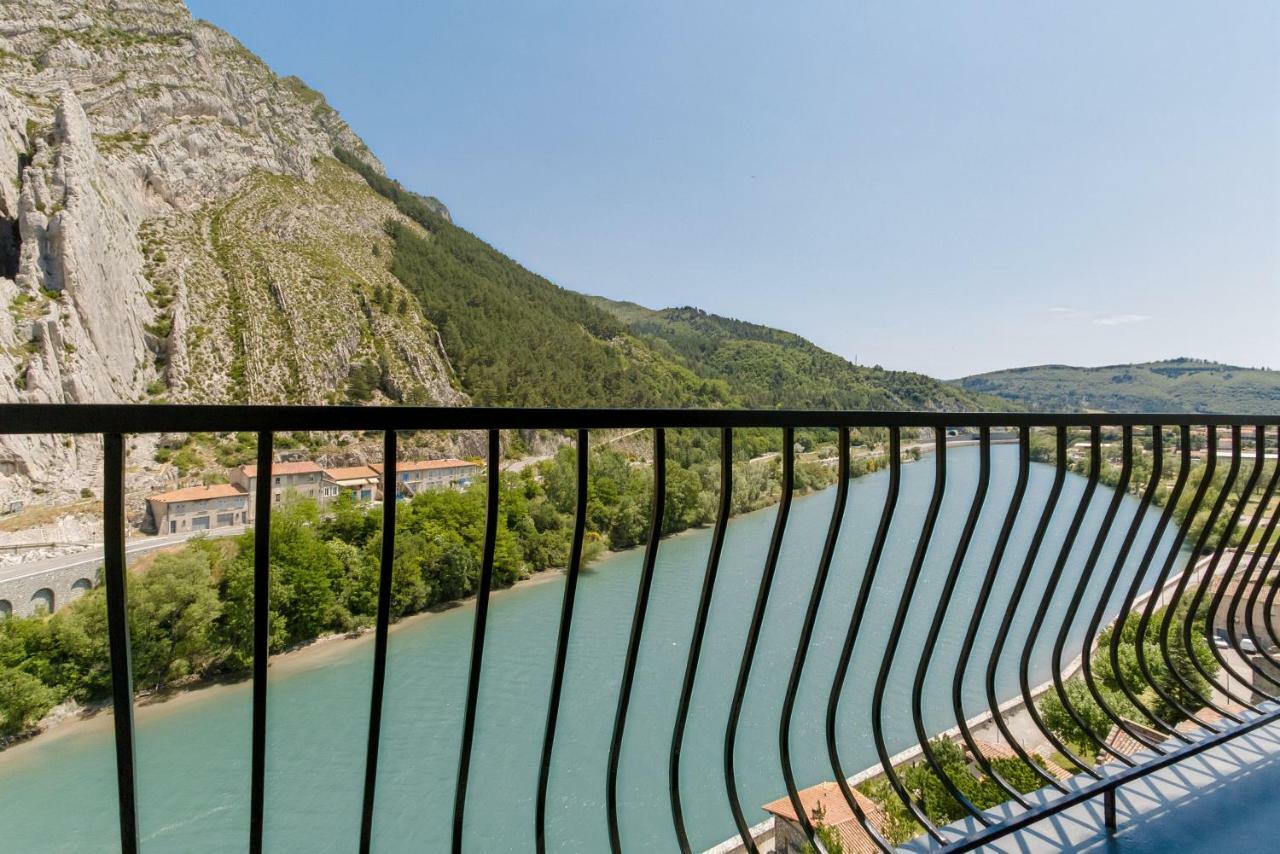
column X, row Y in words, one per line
column 1223, row 800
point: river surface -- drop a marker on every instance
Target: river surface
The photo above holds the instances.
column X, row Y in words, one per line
column 58, row 793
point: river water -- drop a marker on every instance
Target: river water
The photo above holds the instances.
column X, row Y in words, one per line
column 58, row 795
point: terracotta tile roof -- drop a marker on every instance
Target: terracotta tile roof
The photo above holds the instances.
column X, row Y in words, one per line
column 350, row 473
column 837, row 815
column 1125, row 744
column 425, row 465
column 304, row 467
column 197, row 493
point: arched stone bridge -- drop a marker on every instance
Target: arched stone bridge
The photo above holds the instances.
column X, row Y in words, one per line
column 24, row 589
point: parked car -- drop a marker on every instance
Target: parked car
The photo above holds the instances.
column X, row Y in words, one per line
column 1247, row 645
column 1220, row 639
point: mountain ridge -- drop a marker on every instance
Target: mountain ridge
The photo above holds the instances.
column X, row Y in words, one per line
column 1171, row 385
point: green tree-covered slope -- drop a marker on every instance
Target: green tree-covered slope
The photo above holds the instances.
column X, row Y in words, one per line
column 765, row 367
column 1176, row 385
column 516, row 339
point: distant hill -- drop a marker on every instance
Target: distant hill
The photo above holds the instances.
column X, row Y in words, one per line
column 1176, row 385
column 762, row 367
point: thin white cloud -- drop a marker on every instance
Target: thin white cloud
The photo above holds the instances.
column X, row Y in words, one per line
column 1121, row 319
column 1058, row 309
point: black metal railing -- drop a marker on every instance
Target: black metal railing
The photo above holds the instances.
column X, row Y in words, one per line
column 1203, row 579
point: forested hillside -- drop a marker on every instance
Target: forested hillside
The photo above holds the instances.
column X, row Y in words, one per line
column 1175, row 385
column 764, row 367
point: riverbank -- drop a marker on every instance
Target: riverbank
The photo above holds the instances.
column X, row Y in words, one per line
column 309, row 656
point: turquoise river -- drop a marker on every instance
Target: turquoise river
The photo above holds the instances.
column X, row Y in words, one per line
column 57, row 793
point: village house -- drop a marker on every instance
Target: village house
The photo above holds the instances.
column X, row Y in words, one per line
column 198, row 508
column 305, row 478
column 361, row 481
column 413, row 476
column 825, row 803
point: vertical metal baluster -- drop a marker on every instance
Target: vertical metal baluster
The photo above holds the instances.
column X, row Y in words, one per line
column 1011, row 610
column 115, row 574
column 637, row 633
column 939, row 617
column 380, row 636
column 1175, row 549
column 562, row 643
column 895, row 632
column 975, row 622
column 851, row 637
column 1135, row 583
column 806, row 635
column 494, row 484
column 1037, row 623
column 1086, row 576
column 261, row 638
column 1247, row 578
column 699, row 630
column 753, row 634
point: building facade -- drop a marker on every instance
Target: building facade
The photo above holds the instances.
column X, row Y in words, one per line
column 305, row 478
column 362, row 482
column 198, row 508
column 413, row 476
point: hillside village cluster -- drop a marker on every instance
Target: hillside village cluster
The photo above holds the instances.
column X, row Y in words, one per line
column 231, row 505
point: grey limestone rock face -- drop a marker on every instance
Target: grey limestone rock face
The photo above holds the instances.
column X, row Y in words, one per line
column 173, row 226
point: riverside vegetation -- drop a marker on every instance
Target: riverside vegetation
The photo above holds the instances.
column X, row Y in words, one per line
column 191, row 609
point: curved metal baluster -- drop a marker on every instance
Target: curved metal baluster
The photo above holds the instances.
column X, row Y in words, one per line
column 753, row 634
column 1268, row 494
column 895, row 632
column 1135, row 585
column 1223, row 542
column 806, row 636
column 1117, row 497
column 851, row 637
column 1051, row 588
column 1167, row 623
column 1011, row 609
column 1262, row 549
column 980, row 606
column 940, row 615
column 1184, row 528
column 477, row 638
column 699, row 631
column 637, row 632
column 1207, row 578
column 1271, row 598
column 562, row 642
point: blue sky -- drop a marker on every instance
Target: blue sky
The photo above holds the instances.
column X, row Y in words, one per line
column 943, row 187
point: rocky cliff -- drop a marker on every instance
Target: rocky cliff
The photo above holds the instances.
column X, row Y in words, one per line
column 173, row 226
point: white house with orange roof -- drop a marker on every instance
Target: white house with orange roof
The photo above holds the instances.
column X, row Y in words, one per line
column 361, row 481
column 198, row 508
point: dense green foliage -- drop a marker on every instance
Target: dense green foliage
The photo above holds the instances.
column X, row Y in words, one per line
column 926, row 789
column 1176, row 385
column 191, row 610
column 766, row 368
column 1182, row 681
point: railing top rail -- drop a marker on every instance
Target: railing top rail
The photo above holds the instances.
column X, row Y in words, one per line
column 34, row 418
